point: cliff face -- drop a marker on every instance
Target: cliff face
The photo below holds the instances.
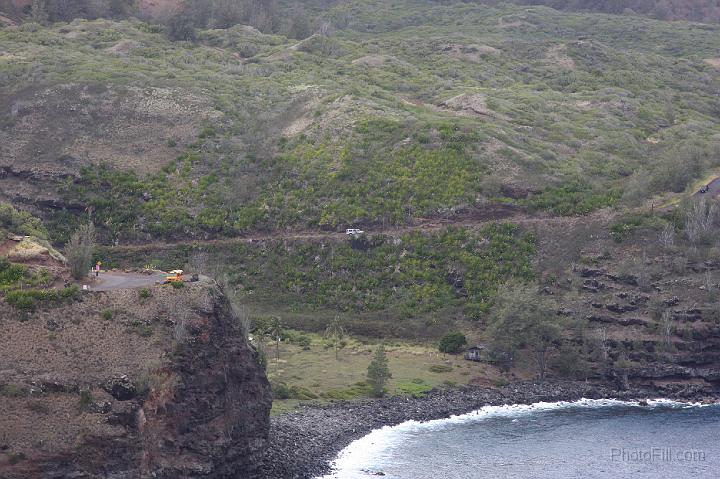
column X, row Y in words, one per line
column 127, row 386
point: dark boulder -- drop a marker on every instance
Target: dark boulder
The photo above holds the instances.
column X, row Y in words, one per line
column 674, row 301
column 620, row 309
column 121, row 388
column 592, row 273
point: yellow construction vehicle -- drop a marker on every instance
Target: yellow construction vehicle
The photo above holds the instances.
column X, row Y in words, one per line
column 175, row 276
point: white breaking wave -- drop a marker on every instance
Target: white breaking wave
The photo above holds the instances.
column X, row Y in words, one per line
column 352, row 461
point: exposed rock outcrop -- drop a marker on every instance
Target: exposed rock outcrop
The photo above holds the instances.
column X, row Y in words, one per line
column 166, row 388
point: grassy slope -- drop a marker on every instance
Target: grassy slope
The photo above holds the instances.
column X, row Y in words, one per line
column 582, row 109
column 414, row 285
column 318, row 133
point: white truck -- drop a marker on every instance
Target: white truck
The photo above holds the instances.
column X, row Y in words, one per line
column 354, row 232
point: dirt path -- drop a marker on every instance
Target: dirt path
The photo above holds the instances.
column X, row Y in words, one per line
column 476, row 219
column 111, row 280
column 713, row 189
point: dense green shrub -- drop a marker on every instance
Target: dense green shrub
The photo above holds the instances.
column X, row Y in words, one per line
column 378, row 372
column 414, row 274
column 21, row 300
column 20, row 222
column 283, row 391
column 358, row 390
column 28, row 299
column 415, row 388
column 79, row 250
column 11, row 273
column 452, row 343
column 573, row 199
column 625, row 228
column 181, row 27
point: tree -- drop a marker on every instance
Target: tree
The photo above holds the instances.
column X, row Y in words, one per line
column 79, row 250
column 275, row 331
column 299, row 26
column 667, row 329
column 666, row 238
column 262, row 14
column 181, row 27
column 39, row 12
column 378, row 372
column 700, row 218
column 603, row 347
column 452, row 343
column 670, row 115
column 261, row 351
column 523, row 320
column 334, row 334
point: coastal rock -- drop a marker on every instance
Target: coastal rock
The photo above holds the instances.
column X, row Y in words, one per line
column 302, row 443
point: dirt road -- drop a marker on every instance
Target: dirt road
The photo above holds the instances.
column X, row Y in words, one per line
column 477, row 218
column 111, row 280
column 713, row 189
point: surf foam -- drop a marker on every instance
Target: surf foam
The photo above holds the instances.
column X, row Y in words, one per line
column 352, row 460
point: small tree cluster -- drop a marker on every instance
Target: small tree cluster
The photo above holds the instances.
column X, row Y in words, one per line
column 526, row 321
column 700, row 219
column 452, row 343
column 79, row 250
column 378, row 372
column 334, row 334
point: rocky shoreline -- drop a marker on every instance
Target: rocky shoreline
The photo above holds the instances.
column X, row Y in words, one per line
column 303, row 443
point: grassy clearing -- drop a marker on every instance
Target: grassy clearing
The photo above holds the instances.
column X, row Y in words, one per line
column 316, row 370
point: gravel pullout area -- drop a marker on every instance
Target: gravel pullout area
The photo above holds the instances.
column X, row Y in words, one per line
column 303, row 443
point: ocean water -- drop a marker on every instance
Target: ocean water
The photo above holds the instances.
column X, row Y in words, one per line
column 583, row 439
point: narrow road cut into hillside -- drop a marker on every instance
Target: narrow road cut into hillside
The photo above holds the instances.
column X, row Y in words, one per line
column 476, row 218
column 505, row 213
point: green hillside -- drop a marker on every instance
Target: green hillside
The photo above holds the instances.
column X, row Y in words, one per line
column 397, row 113
column 516, row 170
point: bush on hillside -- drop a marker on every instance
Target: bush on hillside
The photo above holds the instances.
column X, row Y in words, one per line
column 20, row 222
column 452, row 343
column 79, row 250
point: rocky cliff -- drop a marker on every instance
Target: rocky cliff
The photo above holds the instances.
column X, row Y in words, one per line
column 131, row 384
